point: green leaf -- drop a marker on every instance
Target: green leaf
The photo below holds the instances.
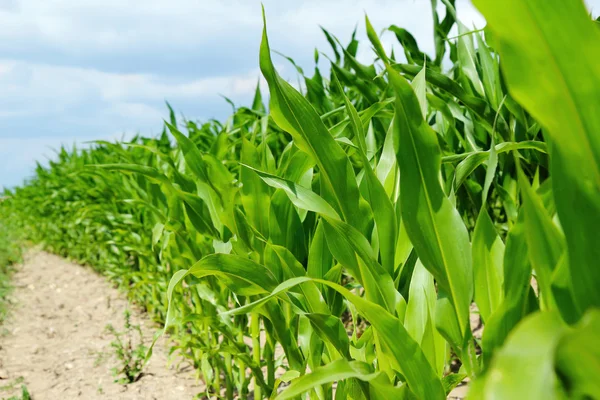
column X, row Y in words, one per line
column 554, row 73
column 562, row 290
column 472, row 160
column 578, row 358
column 257, row 103
column 383, row 210
column 419, row 317
column 466, row 58
column 331, row 328
column 345, row 243
column 490, row 72
column 419, row 85
column 419, row 374
column 500, row 148
column 434, row 227
column 196, row 208
column 319, row 256
column 245, row 276
column 334, row 371
column 374, row 39
column 476, row 104
column 285, row 227
column 301, row 197
column 545, row 242
column 516, row 287
column 488, row 254
column 406, row 353
column 451, row 381
column 524, row 366
column 409, row 44
column 255, row 193
column 441, row 29
column 293, row 113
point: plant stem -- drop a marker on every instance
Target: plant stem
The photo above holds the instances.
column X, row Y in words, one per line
column 255, row 331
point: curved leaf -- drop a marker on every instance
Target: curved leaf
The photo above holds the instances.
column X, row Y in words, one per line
column 434, row 227
column 554, row 73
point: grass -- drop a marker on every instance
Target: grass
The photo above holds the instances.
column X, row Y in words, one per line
column 386, row 197
column 10, row 254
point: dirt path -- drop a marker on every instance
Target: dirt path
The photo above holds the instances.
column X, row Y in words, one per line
column 55, row 342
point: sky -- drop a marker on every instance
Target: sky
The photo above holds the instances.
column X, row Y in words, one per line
column 73, row 71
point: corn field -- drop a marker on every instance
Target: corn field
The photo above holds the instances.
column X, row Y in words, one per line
column 348, row 240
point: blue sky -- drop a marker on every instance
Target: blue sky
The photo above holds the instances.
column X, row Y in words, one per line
column 78, row 70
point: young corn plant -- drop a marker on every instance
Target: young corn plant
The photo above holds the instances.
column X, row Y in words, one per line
column 351, row 240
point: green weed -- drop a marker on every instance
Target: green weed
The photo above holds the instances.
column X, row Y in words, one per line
column 129, row 349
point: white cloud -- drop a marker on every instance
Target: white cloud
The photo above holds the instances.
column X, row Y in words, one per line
column 46, row 89
column 77, row 69
column 117, row 86
column 137, row 111
column 86, row 104
column 95, row 27
column 78, row 27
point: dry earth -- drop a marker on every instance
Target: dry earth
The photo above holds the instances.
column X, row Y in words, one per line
column 55, row 341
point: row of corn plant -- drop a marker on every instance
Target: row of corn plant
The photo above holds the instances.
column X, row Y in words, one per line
column 351, row 239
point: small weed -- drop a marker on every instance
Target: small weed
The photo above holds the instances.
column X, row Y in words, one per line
column 11, row 386
column 24, row 394
column 131, row 356
column 101, row 357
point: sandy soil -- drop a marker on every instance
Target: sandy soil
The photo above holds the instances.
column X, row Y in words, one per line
column 55, row 342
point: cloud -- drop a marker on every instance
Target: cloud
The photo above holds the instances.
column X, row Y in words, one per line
column 188, row 37
column 45, row 105
column 80, row 70
column 41, row 89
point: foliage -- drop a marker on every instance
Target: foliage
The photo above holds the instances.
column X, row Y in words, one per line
column 24, row 394
column 12, row 387
column 10, row 254
column 396, row 193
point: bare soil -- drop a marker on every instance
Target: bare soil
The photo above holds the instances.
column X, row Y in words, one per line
column 54, row 340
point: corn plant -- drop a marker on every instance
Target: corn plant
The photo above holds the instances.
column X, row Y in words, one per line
column 349, row 240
